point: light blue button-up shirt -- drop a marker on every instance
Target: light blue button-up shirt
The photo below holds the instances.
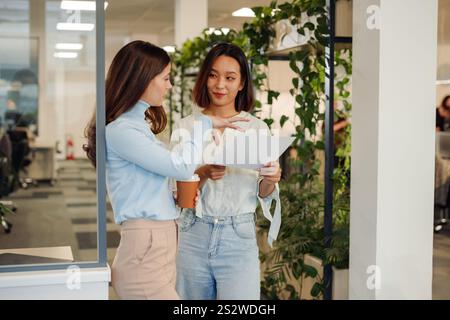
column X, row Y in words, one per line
column 138, row 167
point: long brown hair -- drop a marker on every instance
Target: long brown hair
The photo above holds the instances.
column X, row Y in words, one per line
column 244, row 99
column 444, row 102
column 129, row 75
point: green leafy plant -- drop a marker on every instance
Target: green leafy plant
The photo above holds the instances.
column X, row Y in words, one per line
column 4, row 210
column 338, row 254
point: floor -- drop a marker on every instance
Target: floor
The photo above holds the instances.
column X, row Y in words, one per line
column 441, row 264
column 62, row 215
column 65, row 215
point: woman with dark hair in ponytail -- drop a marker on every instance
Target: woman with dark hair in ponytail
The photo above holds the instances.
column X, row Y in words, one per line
column 138, row 168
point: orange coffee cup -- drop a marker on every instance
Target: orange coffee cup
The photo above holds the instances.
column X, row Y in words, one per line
column 187, row 191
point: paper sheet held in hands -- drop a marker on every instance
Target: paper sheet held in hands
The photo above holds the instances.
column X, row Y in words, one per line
column 251, row 149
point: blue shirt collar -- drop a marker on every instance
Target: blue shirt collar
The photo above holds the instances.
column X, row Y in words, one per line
column 139, row 108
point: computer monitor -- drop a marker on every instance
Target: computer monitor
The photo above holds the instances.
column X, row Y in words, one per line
column 12, row 117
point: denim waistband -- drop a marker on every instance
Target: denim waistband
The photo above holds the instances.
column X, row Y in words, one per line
column 240, row 218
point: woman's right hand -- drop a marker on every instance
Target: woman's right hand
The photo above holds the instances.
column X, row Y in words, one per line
column 220, row 123
column 211, row 171
column 197, row 198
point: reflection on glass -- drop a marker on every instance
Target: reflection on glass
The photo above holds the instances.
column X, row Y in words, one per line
column 19, row 82
column 47, row 95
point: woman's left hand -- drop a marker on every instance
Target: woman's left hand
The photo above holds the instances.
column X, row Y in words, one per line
column 271, row 172
column 197, row 198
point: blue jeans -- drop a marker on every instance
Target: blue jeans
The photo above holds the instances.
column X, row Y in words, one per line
column 218, row 258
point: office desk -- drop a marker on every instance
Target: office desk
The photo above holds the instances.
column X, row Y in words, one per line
column 36, row 255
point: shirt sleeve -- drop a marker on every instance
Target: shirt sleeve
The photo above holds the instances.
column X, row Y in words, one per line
column 133, row 145
column 177, row 136
column 275, row 220
column 172, row 181
column 266, row 202
column 439, row 120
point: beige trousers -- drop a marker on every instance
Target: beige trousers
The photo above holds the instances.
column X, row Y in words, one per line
column 144, row 266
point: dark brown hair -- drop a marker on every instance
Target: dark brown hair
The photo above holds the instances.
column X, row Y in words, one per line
column 444, row 102
column 129, row 75
column 244, row 99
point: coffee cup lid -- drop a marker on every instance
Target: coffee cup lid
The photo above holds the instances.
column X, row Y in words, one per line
column 195, row 177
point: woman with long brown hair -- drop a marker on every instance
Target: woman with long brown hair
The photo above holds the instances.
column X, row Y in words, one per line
column 138, row 168
column 443, row 115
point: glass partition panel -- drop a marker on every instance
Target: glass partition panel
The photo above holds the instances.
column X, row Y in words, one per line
column 48, row 93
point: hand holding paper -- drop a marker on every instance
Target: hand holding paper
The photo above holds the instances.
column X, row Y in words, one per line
column 270, row 169
column 271, row 174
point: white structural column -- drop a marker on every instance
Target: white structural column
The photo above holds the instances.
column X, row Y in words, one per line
column 37, row 30
column 392, row 187
column 191, row 17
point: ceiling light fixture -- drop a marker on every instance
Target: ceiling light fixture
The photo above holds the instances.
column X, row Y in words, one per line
column 80, row 5
column 244, row 12
column 69, row 46
column 75, row 26
column 65, row 55
column 169, row 49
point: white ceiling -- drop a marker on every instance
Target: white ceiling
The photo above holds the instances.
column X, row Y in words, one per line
column 157, row 17
column 130, row 19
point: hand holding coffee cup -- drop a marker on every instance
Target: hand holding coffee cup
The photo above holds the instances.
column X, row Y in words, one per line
column 175, row 197
column 188, row 192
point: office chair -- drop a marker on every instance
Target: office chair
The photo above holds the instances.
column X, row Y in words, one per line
column 443, row 150
column 7, row 226
column 443, row 214
column 20, row 152
column 6, row 181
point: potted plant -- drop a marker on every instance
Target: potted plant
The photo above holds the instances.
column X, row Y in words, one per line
column 4, row 210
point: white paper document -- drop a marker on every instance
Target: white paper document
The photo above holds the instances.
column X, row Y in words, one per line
column 250, row 149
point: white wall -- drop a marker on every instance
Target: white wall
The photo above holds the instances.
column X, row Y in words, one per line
column 406, row 191
column 344, row 18
column 392, row 187
column 191, row 17
column 279, row 78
